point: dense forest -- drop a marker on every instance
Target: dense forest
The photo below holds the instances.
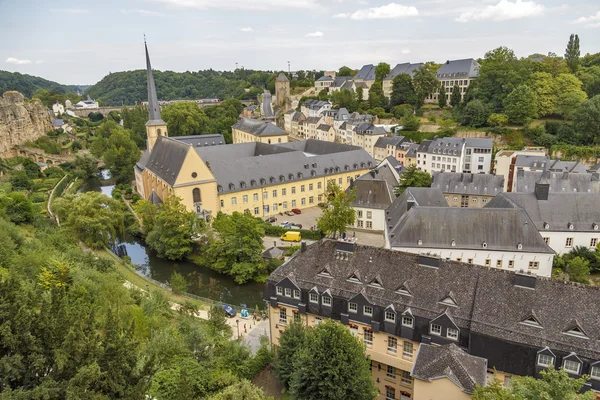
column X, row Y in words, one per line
column 130, row 87
column 28, row 84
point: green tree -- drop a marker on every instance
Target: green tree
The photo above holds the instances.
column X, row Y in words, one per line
column 475, row 114
column 403, row 91
column 359, row 94
column 425, row 83
column 20, row 181
column 147, row 213
column 569, row 95
column 455, row 97
column 578, row 269
column 345, row 71
column 243, row 390
column 410, row 122
column 237, row 247
column 177, row 282
column 520, row 105
column 376, row 97
column 587, row 120
column 344, row 98
column 412, row 177
column 553, row 385
column 184, row 118
column 572, row 53
column 332, row 365
column 381, row 71
column 86, row 166
column 442, row 101
column 173, row 230
column 291, row 342
column 497, row 120
column 543, row 86
column 94, row 218
column 17, row 207
column 118, row 151
column 338, row 212
column 590, row 78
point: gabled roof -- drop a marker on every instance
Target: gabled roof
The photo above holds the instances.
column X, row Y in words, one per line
column 395, row 141
column 167, row 158
column 416, row 196
column 468, row 184
column 405, row 68
column 561, row 209
column 155, row 198
column 375, row 189
column 450, row 361
column 215, row 139
column 367, row 73
column 323, row 127
column 325, row 78
column 282, row 78
column 272, row 252
column 258, row 127
column 563, row 182
column 466, row 68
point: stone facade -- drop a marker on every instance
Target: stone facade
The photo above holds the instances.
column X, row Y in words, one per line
column 21, row 122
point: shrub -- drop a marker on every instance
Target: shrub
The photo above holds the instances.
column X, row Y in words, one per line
column 402, row 110
column 410, row 123
column 497, row 120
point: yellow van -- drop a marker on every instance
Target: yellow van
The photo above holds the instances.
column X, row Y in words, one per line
column 291, row 237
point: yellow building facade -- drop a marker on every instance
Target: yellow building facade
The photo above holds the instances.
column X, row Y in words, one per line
column 248, row 130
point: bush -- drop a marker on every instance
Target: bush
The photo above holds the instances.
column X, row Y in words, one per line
column 410, row 123
column 402, row 110
column 497, row 120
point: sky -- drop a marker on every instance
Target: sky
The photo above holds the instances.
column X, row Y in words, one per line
column 79, row 42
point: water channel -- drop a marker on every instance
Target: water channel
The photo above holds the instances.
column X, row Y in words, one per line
column 202, row 281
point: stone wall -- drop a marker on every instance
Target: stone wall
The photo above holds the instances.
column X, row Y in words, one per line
column 21, row 122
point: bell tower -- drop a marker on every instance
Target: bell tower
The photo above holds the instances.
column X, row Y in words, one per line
column 155, row 126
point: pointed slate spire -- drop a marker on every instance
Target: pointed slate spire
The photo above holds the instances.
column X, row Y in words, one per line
column 153, row 107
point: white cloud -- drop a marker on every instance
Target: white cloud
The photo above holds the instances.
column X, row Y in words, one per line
column 12, row 60
column 71, row 10
column 592, row 21
column 503, row 11
column 405, row 51
column 314, row 34
column 261, row 5
column 140, row 11
column 389, row 11
column 247, row 29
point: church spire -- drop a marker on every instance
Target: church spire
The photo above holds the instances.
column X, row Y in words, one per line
column 153, row 107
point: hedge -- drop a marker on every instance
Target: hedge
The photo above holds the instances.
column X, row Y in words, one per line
column 273, row 230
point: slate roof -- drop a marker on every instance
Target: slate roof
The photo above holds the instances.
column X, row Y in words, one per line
column 395, row 141
column 559, row 181
column 488, row 300
column 154, row 198
column 202, row 140
column 468, row 184
column 418, row 196
column 272, row 252
column 58, row 122
column 375, row 189
column 466, row 68
column 340, row 81
column 323, row 127
column 314, row 104
column 141, row 164
column 502, row 229
column 167, row 158
column 533, row 162
column 405, row 68
column 282, row 78
column 424, row 146
column 367, row 73
column 412, row 150
column 367, row 128
column 312, row 120
column 258, row 127
column 325, row 78
column 297, row 115
column 450, row 361
column 153, row 106
column 270, row 164
column 561, row 209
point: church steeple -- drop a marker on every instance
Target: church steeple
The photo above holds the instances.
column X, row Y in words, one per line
column 155, row 126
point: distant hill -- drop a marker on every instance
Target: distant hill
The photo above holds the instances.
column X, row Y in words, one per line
column 129, row 87
column 28, row 84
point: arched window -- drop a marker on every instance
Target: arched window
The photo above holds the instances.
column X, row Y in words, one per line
column 158, row 132
column 196, row 195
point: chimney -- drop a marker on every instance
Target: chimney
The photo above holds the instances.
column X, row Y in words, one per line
column 541, row 190
column 303, row 246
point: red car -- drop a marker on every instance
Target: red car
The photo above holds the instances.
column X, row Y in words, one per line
column 296, row 211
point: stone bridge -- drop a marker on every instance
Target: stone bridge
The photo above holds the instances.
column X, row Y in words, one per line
column 38, row 155
column 85, row 112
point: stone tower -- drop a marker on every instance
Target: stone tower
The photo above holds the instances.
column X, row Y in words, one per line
column 155, row 126
column 282, row 91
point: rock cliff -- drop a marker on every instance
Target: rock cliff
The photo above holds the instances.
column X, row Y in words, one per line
column 21, row 122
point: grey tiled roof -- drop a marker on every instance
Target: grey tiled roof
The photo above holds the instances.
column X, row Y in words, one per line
column 272, row 252
column 405, row 68
column 282, row 78
column 450, row 361
column 467, row 68
column 367, row 128
column 468, row 184
column 375, row 189
column 262, row 165
column 395, row 141
column 367, row 73
column 412, row 150
column 312, row 120
column 339, row 81
column 559, row 181
column 202, row 140
column 258, row 127
column 419, row 196
column 489, row 301
column 424, row 146
column 533, row 162
column 324, row 127
column 325, row 78
column 167, row 158
column 141, row 164
column 297, row 115
column 561, row 209
column 315, row 104
column 155, row 198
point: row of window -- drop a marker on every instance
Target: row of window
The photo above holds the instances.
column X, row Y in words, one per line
column 284, row 205
column 459, row 83
column 369, row 214
column 570, row 366
column 361, row 224
column 569, row 242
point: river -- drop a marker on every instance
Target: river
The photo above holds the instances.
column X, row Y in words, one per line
column 202, row 281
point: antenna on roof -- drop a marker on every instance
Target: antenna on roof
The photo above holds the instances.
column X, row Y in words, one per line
column 144, row 38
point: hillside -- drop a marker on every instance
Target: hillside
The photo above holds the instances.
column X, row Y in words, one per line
column 29, row 84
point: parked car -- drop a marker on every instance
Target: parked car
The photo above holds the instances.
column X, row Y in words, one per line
column 271, row 220
column 229, row 311
column 296, row 211
column 284, row 223
column 288, row 212
column 296, row 226
column 289, row 225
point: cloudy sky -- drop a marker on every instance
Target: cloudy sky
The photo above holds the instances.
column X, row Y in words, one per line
column 78, row 42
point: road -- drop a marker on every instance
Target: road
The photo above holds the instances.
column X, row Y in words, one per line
column 267, row 109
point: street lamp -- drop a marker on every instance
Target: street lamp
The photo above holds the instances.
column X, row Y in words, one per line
column 237, row 321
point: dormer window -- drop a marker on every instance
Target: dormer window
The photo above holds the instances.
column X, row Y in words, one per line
column 326, row 300
column 288, row 292
column 519, row 246
column 279, row 290
column 354, row 278
column 595, row 226
column 352, row 307
column 313, row 297
column 420, row 242
column 453, row 244
column 376, row 283
column 403, row 290
column 435, row 329
column 390, row 316
column 325, row 273
column 570, row 226
column 253, row 182
column 368, row 311
column 272, row 179
column 532, row 321
column 576, row 331
column 231, row 186
column 572, row 366
column 291, row 177
column 546, row 225
column 408, row 321
column 263, row 181
column 595, row 372
column 452, row 333
column 281, row 178
column 545, row 360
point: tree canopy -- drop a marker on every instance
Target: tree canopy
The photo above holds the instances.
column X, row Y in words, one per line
column 338, row 212
column 412, row 177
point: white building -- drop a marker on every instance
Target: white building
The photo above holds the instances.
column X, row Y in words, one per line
column 419, row 221
column 564, row 220
column 58, row 109
column 455, row 155
column 89, row 103
column 314, row 108
column 504, row 162
column 374, row 194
